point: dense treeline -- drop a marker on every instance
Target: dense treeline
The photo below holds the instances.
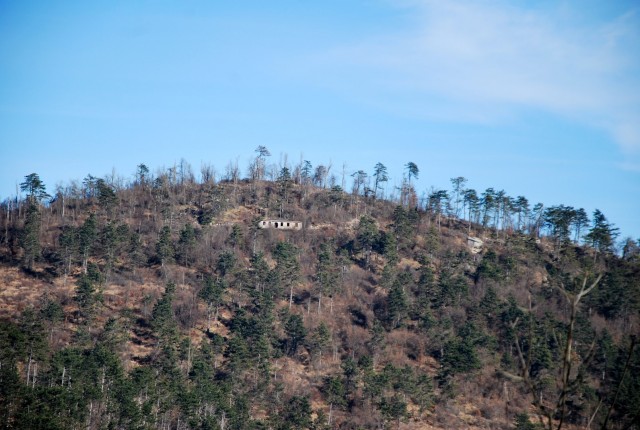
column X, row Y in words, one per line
column 163, row 305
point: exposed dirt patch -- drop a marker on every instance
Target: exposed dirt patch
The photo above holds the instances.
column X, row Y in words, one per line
column 19, row 291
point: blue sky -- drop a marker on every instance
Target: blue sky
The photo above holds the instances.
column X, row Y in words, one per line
column 541, row 99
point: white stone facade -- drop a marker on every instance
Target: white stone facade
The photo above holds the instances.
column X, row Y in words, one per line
column 281, row 224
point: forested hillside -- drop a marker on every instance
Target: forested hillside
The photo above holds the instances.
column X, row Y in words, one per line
column 159, row 303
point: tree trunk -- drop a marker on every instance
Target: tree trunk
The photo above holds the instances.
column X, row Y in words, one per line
column 290, row 296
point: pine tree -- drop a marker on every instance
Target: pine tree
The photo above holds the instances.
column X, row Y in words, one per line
column 319, row 340
column 472, row 201
column 287, row 270
column 297, row 413
column 87, row 295
column 381, row 176
column 458, row 184
column 404, row 229
column 296, row 333
column 523, row 423
column 261, row 162
column 335, row 394
column 366, row 236
column 412, row 170
column 284, row 188
column 112, row 239
column 34, row 187
column 396, row 305
column 211, row 293
column 438, row 204
column 107, row 197
column 86, row 239
column 580, row 220
column 393, row 408
column 235, row 237
column 522, row 209
column 602, row 235
column 186, row 244
column 327, row 275
column 68, row 241
column 30, row 237
column 558, row 219
column 164, row 246
column 162, row 318
column 488, row 205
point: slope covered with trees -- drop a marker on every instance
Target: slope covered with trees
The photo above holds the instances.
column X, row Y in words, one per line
column 159, row 303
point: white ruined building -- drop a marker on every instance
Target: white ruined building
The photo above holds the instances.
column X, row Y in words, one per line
column 281, row 224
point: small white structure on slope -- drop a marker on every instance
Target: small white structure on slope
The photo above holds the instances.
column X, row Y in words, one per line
column 281, row 224
column 474, row 244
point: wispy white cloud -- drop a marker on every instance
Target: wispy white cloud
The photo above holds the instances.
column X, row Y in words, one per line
column 485, row 60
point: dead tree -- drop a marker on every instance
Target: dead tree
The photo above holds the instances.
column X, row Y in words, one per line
column 565, row 381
